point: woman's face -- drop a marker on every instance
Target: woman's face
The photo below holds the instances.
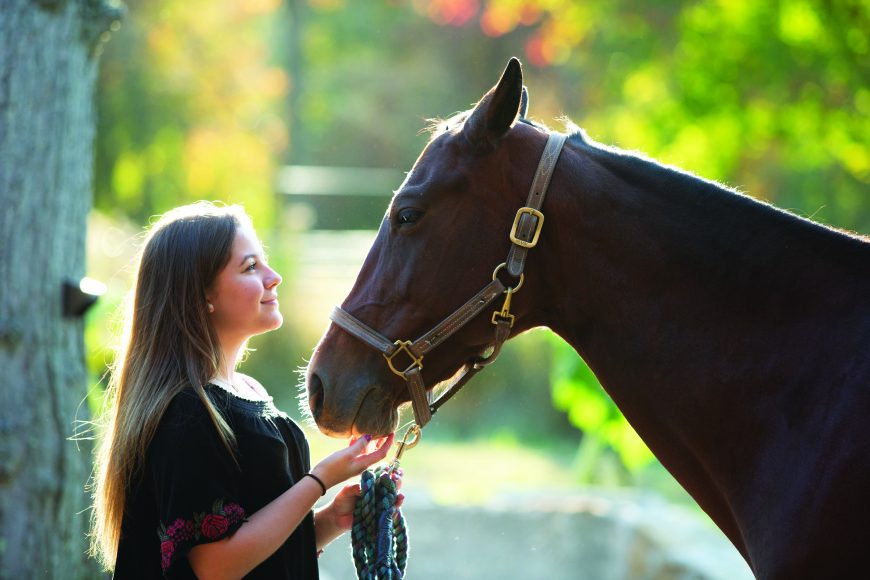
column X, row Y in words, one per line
column 244, row 294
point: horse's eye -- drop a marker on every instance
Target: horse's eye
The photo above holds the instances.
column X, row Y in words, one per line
column 408, row 216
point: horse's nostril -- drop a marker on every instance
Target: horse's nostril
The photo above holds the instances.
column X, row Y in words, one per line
column 315, row 396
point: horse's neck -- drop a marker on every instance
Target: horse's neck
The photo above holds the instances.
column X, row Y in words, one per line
column 695, row 307
column 669, row 264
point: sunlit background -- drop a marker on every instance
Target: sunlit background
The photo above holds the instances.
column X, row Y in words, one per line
column 309, row 113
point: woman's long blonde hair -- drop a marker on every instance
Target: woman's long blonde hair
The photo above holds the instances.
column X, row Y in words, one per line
column 168, row 344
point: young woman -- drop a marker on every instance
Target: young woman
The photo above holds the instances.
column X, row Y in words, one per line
column 198, row 474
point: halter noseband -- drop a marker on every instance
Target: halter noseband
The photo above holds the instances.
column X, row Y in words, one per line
column 524, row 235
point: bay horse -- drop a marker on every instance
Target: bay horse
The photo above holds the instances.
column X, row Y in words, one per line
column 734, row 336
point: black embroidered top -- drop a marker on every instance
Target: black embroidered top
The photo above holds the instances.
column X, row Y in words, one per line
column 192, row 492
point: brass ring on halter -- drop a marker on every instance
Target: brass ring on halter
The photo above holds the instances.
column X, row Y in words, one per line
column 514, row 290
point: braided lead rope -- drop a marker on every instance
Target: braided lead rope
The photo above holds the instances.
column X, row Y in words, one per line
column 379, row 536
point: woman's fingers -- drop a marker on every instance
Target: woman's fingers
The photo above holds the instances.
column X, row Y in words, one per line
column 384, row 445
column 379, row 453
column 355, row 458
column 351, row 490
column 361, row 444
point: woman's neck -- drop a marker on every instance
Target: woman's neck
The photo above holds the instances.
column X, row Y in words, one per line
column 232, row 354
column 226, row 375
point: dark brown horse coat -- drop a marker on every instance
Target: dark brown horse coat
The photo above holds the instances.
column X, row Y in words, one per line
column 735, row 337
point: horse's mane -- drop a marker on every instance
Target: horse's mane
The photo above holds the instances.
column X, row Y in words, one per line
column 633, row 165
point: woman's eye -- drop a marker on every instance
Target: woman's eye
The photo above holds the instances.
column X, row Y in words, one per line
column 251, row 266
column 407, row 217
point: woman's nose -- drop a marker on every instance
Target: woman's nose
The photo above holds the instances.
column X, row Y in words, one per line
column 273, row 278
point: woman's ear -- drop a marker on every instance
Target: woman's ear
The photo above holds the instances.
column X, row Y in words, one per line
column 210, row 299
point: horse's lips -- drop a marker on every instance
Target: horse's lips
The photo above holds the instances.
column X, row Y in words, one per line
column 353, row 430
column 377, row 425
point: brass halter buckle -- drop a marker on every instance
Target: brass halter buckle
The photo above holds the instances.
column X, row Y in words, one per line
column 533, row 213
column 403, row 346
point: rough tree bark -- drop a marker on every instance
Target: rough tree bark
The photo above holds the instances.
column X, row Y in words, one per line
column 48, row 63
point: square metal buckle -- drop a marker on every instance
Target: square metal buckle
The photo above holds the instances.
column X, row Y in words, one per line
column 531, row 212
column 403, row 346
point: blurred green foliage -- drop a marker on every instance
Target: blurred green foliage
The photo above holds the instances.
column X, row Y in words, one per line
column 772, row 97
column 577, row 392
column 202, row 99
column 190, row 107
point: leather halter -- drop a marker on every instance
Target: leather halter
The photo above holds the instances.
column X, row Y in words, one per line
column 524, row 235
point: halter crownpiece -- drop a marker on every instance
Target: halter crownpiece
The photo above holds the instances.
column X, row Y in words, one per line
column 524, row 234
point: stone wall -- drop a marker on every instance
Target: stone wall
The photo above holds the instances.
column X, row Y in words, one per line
column 589, row 535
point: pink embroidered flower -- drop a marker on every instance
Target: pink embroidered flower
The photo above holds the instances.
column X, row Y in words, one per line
column 234, row 512
column 204, row 526
column 167, row 548
column 213, row 525
column 181, row 530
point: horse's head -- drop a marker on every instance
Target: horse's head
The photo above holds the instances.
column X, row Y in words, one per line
column 445, row 232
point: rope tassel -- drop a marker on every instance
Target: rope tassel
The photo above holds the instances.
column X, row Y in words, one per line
column 379, row 535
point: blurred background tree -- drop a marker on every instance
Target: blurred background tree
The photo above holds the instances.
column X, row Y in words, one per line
column 210, row 99
column 49, row 55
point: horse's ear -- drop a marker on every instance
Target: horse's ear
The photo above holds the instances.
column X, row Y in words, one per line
column 496, row 112
column 524, row 103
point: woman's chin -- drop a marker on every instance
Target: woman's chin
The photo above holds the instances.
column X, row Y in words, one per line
column 273, row 322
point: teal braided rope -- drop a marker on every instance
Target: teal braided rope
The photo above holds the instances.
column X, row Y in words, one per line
column 379, row 537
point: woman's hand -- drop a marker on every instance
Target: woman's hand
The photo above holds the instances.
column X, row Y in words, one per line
column 346, row 463
column 337, row 517
column 342, row 506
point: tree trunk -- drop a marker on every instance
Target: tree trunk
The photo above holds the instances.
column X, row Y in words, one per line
column 48, row 63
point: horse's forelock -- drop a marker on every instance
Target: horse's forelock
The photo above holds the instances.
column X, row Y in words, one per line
column 437, row 126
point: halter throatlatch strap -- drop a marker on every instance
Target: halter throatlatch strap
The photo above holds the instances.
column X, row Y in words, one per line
column 524, row 235
column 502, row 332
